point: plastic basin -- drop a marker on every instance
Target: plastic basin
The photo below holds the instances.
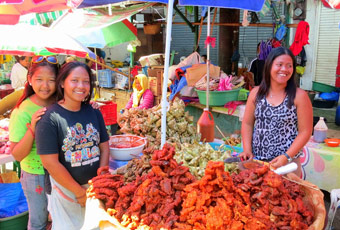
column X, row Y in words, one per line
column 333, row 142
column 126, row 147
column 218, row 98
column 17, row 222
column 321, row 87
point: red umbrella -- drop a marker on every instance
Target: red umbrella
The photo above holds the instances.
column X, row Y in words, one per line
column 11, row 10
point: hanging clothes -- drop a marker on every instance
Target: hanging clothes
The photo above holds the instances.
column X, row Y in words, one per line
column 301, row 37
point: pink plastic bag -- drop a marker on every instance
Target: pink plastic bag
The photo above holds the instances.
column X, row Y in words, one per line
column 231, row 106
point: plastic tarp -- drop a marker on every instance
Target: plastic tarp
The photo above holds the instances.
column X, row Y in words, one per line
column 12, row 200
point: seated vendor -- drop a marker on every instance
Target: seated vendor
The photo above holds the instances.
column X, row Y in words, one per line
column 142, row 97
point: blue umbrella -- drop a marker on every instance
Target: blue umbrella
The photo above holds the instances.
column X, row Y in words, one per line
column 253, row 5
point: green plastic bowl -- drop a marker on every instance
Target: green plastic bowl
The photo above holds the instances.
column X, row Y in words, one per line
column 321, row 87
column 218, row 98
column 18, row 222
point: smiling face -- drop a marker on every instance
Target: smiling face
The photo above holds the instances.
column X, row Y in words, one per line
column 43, row 82
column 76, row 85
column 282, row 69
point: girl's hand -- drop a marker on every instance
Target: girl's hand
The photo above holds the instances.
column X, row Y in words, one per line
column 36, row 117
column 278, row 161
column 81, row 198
column 94, row 104
column 246, row 156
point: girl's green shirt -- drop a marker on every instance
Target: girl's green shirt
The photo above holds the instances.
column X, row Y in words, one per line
column 17, row 129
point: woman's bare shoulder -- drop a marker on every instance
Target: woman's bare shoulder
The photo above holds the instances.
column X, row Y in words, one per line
column 301, row 96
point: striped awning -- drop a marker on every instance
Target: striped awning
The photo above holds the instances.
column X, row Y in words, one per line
column 45, row 18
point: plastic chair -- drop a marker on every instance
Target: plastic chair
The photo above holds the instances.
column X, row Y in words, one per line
column 335, row 204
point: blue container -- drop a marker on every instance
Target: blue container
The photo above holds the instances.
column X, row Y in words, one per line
column 337, row 116
column 106, row 78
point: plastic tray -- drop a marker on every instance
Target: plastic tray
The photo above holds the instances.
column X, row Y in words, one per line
column 218, row 98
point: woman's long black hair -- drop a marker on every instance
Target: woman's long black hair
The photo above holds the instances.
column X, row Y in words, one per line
column 265, row 83
column 28, row 90
column 65, row 71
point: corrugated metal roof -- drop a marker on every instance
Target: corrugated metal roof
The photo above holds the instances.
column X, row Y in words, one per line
column 183, row 40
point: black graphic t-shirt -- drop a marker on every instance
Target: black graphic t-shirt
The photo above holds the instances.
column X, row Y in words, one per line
column 75, row 136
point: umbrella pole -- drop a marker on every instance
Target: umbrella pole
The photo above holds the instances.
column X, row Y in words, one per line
column 166, row 71
column 97, row 95
column 208, row 60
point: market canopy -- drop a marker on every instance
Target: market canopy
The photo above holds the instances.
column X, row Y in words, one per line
column 10, row 11
column 29, row 40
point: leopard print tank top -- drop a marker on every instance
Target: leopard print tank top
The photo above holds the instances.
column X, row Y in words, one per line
column 275, row 129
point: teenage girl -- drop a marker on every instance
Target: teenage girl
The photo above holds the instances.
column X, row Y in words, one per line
column 72, row 142
column 39, row 92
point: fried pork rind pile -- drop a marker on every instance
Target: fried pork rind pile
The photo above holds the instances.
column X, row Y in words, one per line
column 104, row 186
column 147, row 123
column 136, row 167
column 257, row 199
column 153, row 201
column 196, row 156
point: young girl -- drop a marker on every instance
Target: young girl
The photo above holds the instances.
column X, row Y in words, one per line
column 39, row 92
column 278, row 119
column 72, row 143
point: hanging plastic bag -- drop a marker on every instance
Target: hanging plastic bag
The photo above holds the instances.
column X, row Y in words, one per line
column 12, row 200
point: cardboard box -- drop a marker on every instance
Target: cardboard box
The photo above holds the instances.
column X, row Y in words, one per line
column 155, row 85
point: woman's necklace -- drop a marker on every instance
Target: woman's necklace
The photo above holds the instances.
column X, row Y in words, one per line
column 271, row 95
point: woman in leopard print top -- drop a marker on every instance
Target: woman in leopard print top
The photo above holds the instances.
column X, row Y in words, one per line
column 278, row 119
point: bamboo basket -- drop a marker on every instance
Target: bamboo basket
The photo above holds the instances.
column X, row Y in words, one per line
column 152, row 29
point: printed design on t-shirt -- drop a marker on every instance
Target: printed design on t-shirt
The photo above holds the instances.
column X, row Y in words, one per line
column 80, row 146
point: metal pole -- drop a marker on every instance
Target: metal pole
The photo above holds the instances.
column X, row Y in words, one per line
column 166, row 70
column 208, row 59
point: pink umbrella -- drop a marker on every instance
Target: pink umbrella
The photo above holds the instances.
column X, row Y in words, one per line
column 11, row 10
